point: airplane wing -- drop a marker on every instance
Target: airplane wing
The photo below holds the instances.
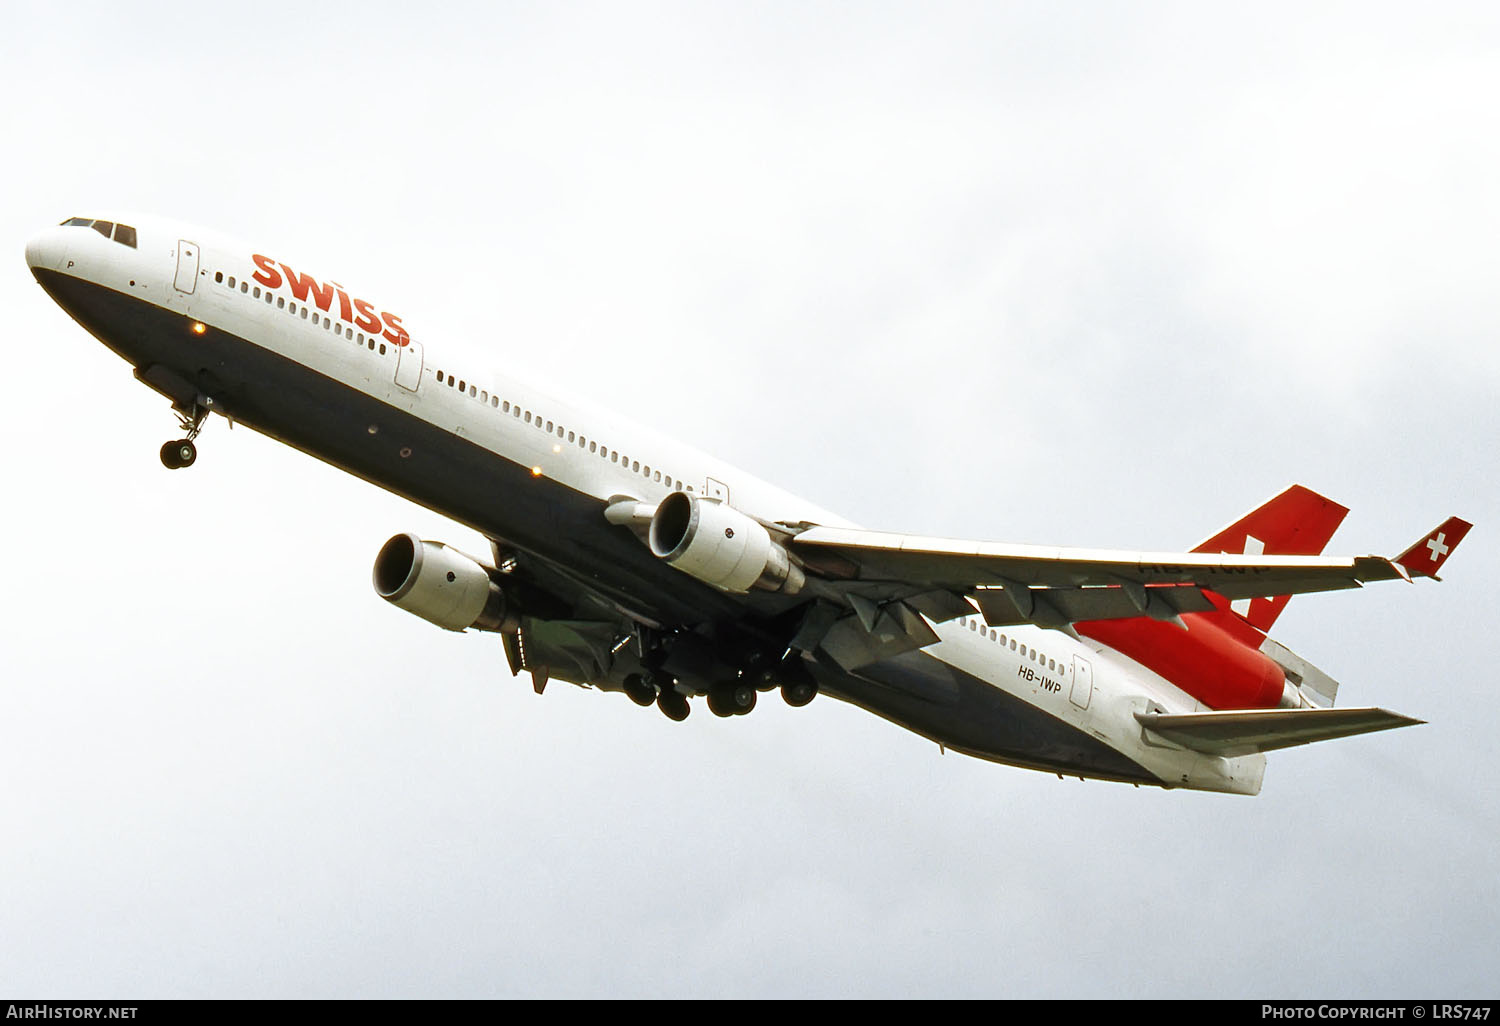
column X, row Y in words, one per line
column 1244, row 732
column 1054, row 587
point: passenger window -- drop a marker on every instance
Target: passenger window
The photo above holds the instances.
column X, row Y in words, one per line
column 245, row 287
column 570, row 436
column 506, row 407
column 528, row 416
column 484, row 396
column 636, row 465
column 495, row 401
column 370, row 345
column 658, row 477
column 257, row 292
column 280, row 302
column 382, row 349
column 461, row 385
column 472, row 390
column 231, row 281
column 125, row 235
column 593, row 446
column 549, row 427
column 218, row 277
column 614, row 457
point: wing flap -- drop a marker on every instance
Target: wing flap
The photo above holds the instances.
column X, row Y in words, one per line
column 1008, row 606
column 963, row 565
column 1244, row 732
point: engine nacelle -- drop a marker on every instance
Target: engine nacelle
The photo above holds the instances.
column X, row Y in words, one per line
column 721, row 546
column 442, row 586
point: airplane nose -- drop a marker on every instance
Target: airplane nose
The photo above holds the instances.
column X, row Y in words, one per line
column 46, row 251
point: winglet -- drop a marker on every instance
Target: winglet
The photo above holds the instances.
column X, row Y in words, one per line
column 1431, row 551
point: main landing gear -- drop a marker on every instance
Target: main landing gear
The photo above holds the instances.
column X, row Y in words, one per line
column 649, row 688
column 734, row 693
column 732, row 698
column 182, row 452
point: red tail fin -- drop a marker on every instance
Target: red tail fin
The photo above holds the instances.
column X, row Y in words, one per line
column 1298, row 522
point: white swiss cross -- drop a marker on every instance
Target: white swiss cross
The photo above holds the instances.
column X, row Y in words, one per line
column 1253, row 547
column 1439, row 550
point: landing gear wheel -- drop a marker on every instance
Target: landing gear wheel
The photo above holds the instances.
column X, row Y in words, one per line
column 718, row 702
column 673, row 705
column 179, row 454
column 799, row 693
column 640, row 692
column 744, row 698
column 733, row 699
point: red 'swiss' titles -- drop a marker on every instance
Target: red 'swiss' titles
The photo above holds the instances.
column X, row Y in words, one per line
column 308, row 289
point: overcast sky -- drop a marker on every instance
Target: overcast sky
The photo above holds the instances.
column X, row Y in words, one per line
column 1090, row 274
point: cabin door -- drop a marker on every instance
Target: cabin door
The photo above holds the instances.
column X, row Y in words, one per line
column 409, row 365
column 187, row 266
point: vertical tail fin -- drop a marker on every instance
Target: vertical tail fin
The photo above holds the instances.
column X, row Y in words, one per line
column 1298, row 522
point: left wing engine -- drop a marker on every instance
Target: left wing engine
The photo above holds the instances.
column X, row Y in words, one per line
column 443, row 586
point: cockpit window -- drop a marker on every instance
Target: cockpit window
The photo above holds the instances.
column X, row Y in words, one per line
column 124, row 234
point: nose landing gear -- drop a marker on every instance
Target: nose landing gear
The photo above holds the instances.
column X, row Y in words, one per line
column 182, row 452
column 179, row 454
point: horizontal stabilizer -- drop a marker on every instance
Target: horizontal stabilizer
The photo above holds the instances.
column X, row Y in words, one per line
column 1246, row 731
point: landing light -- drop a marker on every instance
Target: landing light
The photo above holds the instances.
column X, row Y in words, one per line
column 199, row 327
column 536, row 471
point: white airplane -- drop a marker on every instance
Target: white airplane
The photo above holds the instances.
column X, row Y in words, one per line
column 628, row 561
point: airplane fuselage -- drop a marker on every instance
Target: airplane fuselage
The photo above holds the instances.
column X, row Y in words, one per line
column 217, row 324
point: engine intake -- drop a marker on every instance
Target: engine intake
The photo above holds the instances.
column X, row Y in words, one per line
column 721, row 546
column 442, row 585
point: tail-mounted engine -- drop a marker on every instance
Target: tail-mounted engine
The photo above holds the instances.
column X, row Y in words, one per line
column 442, row 586
column 721, row 546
